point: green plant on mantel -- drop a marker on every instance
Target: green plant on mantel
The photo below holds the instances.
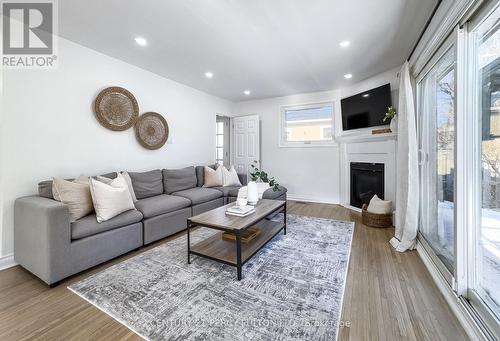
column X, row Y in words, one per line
column 391, row 112
column 258, row 174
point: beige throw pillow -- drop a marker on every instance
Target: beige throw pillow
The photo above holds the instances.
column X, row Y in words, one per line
column 110, row 199
column 75, row 194
column 82, row 179
column 213, row 178
column 230, row 177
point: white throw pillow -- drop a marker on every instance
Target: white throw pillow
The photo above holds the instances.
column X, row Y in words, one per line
column 127, row 178
column 379, row 206
column 230, row 177
column 110, row 199
column 213, row 178
column 75, row 194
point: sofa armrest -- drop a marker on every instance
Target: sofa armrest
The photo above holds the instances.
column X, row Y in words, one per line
column 243, row 179
column 42, row 236
column 279, row 194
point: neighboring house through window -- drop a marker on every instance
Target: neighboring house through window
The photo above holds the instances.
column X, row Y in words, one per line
column 310, row 124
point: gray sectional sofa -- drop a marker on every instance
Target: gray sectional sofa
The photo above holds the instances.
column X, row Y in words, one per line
column 52, row 248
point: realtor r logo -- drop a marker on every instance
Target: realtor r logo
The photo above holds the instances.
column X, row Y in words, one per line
column 28, row 34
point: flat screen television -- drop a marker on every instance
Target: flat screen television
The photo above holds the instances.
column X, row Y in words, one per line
column 366, row 109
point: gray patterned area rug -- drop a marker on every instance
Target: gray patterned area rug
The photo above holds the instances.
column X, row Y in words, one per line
column 292, row 289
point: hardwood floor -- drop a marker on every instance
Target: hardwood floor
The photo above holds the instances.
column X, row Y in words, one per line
column 389, row 296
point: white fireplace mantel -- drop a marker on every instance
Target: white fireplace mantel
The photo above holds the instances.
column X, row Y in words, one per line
column 380, row 150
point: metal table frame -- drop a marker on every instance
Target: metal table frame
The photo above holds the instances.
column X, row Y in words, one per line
column 238, row 233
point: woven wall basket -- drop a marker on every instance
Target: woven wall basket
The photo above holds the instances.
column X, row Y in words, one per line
column 374, row 219
column 116, row 108
column 151, row 130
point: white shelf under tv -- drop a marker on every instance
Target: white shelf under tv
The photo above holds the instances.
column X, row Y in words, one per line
column 346, row 138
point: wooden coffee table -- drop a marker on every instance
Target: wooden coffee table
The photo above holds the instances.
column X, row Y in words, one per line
column 234, row 252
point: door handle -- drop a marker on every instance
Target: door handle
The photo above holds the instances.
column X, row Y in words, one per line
column 422, row 157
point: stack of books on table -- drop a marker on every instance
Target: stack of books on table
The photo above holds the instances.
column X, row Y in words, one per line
column 240, row 211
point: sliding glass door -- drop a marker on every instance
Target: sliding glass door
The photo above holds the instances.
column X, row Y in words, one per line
column 485, row 274
column 436, row 92
column 458, row 105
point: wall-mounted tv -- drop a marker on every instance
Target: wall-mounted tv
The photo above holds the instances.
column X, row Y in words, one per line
column 366, row 109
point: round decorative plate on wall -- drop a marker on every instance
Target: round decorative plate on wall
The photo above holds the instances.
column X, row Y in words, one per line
column 151, row 130
column 116, row 108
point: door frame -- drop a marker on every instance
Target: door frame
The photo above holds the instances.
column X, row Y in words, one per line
column 473, row 167
column 227, row 138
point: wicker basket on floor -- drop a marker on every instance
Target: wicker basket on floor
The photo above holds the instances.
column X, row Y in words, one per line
column 374, row 219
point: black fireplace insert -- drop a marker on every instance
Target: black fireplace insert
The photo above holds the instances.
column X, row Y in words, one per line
column 367, row 179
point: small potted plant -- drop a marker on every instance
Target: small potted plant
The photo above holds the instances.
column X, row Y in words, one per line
column 393, row 116
column 260, row 176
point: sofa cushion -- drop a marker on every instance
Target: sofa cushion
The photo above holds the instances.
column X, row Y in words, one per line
column 45, row 187
column 243, row 179
column 147, row 184
column 129, row 185
column 88, row 226
column 233, row 191
column 270, row 194
column 160, row 204
column 200, row 174
column 111, row 175
column 226, row 190
column 175, row 180
column 199, row 195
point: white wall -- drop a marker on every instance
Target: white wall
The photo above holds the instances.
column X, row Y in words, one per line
column 309, row 173
column 49, row 129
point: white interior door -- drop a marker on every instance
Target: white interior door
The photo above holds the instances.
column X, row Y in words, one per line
column 246, row 139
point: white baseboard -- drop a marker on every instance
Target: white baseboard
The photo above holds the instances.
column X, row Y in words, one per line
column 470, row 326
column 352, row 208
column 296, row 197
column 7, row 262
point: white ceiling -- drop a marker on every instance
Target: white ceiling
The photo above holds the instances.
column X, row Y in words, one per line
column 271, row 47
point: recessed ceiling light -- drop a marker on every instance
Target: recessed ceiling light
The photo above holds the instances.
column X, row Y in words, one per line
column 247, row 92
column 345, row 43
column 347, row 76
column 366, row 95
column 141, row 41
column 209, row 74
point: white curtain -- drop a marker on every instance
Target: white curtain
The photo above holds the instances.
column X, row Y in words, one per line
column 407, row 167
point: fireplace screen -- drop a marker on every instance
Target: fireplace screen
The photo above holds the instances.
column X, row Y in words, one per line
column 367, row 179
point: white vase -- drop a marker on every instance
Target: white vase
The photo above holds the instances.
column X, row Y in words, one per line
column 261, row 188
column 252, row 193
column 394, row 124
